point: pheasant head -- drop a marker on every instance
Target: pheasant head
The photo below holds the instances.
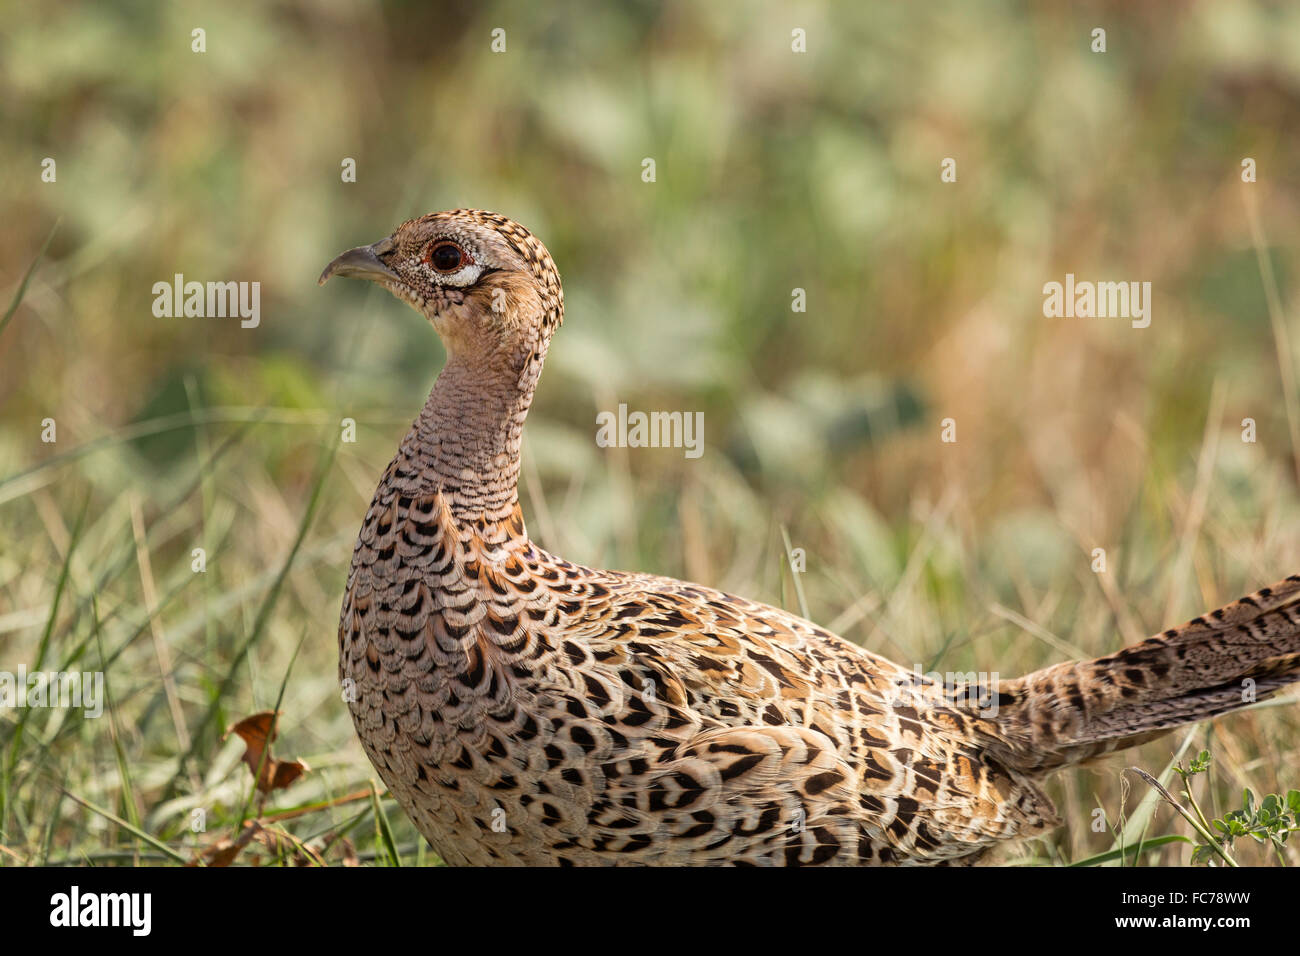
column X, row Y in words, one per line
column 493, row 294
column 486, row 283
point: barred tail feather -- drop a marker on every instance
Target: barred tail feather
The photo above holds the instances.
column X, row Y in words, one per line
column 1213, row 664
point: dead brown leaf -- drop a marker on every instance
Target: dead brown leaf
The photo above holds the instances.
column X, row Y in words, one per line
column 256, row 733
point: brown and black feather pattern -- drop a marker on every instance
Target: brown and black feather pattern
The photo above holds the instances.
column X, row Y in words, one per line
column 523, row 709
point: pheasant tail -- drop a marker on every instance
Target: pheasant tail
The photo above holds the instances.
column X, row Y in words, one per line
column 1215, row 663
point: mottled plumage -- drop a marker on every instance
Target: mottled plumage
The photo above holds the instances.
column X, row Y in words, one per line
column 523, row 709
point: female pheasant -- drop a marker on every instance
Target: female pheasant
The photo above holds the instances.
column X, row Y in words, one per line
column 526, row 710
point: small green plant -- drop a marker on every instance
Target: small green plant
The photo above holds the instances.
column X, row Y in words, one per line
column 1270, row 820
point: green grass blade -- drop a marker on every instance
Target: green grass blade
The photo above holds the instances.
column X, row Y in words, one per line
column 135, row 831
column 384, row 830
column 271, row 733
column 27, row 277
column 1132, row 851
column 11, row 759
column 123, row 765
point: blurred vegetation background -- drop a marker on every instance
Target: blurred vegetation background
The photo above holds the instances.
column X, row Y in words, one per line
column 774, row 171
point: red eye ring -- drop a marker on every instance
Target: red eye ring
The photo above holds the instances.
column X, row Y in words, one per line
column 447, row 257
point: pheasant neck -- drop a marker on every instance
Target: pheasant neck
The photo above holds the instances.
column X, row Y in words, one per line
column 466, row 441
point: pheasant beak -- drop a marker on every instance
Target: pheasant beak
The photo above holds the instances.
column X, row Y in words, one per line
column 363, row 262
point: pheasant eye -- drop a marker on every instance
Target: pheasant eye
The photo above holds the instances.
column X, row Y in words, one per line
column 447, row 257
